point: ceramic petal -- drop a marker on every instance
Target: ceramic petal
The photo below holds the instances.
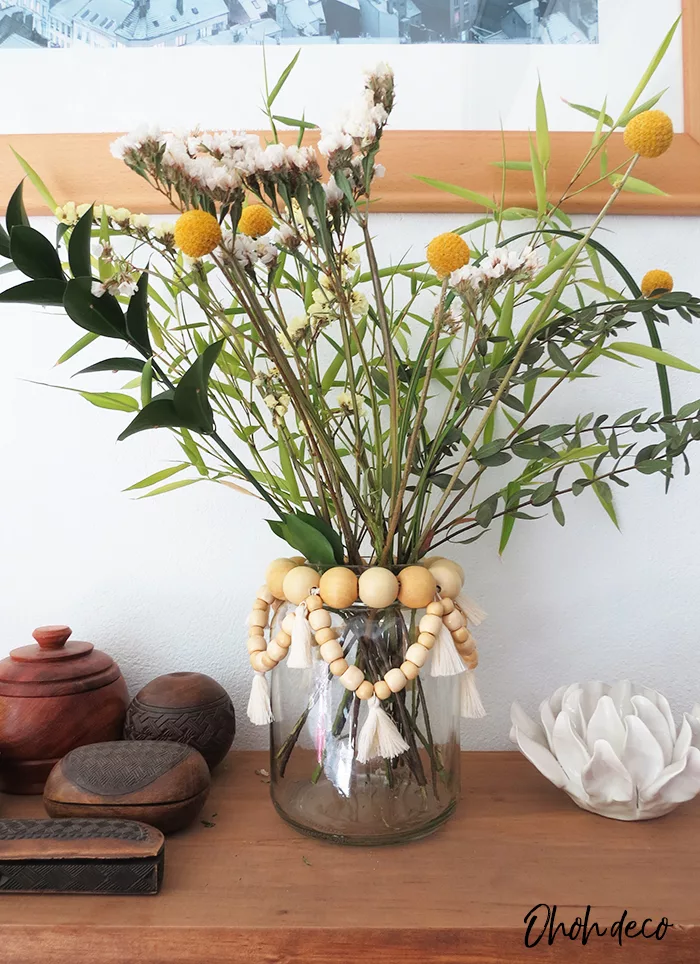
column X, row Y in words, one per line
column 591, row 693
column 684, row 741
column 678, row 783
column 548, row 717
column 694, row 724
column 542, row 759
column 522, row 722
column 657, row 724
column 621, row 695
column 570, row 749
column 641, row 755
column 605, row 724
column 605, row 779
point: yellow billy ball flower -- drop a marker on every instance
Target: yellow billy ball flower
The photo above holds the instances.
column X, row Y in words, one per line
column 649, row 134
column 255, row 221
column 197, row 233
column 447, row 252
column 656, row 281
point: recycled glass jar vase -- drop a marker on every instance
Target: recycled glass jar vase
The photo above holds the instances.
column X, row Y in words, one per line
column 318, row 784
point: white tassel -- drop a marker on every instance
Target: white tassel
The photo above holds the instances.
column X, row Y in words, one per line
column 379, row 736
column 471, row 707
column 259, row 706
column 445, row 661
column 300, row 648
column 472, row 610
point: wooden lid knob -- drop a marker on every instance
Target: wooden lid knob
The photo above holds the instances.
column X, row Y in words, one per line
column 52, row 637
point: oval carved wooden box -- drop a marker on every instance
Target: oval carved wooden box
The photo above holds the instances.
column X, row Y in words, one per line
column 159, row 783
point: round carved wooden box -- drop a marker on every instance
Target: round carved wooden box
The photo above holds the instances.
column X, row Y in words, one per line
column 54, row 696
column 186, row 708
column 156, row 782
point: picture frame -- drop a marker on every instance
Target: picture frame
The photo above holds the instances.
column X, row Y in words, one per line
column 79, row 165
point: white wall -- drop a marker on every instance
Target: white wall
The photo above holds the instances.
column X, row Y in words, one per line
column 165, row 584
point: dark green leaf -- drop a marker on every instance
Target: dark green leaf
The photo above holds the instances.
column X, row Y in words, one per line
column 15, row 209
column 114, row 365
column 46, row 292
column 558, row 511
column 306, row 538
column 330, row 534
column 160, row 413
column 558, row 357
column 544, row 494
column 4, row 243
column 79, row 246
column 191, row 399
column 102, row 315
column 34, row 254
column 137, row 316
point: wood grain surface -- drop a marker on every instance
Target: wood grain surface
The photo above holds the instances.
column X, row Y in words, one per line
column 249, row 889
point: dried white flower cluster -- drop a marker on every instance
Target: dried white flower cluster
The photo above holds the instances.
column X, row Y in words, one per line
column 500, row 266
column 249, row 252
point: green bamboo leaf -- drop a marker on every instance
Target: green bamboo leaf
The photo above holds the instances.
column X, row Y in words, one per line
column 76, row 347
column 158, row 477
column 601, row 121
column 544, row 146
column 147, row 383
column 458, row 191
column 293, row 122
column 178, row 484
column 282, row 79
column 34, row 255
column 538, row 179
column 603, row 494
column 655, row 355
column 635, row 185
column 114, row 400
column 651, row 69
column 513, row 165
column 647, row 105
column 590, row 112
column 288, row 469
column 34, row 178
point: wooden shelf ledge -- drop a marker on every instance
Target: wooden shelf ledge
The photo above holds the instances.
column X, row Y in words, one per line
column 249, row 890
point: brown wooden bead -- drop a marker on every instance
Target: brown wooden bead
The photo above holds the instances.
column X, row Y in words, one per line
column 267, row 661
column 284, row 639
column 461, row 635
column 265, row 594
column 426, row 639
column 338, row 587
column 299, row 582
column 275, row 651
column 447, row 577
column 256, row 630
column 454, row 620
column 365, row 690
column 378, row 587
column 331, row 651
column 409, row 669
column 352, row 677
column 319, row 619
column 256, row 661
column 447, row 605
column 257, row 644
column 261, row 605
column 274, row 577
column 472, row 661
column 435, row 609
column 430, row 624
column 381, row 690
column 395, row 680
column 417, row 654
column 416, row 587
column 338, row 667
column 324, row 635
column 257, row 618
column 313, row 603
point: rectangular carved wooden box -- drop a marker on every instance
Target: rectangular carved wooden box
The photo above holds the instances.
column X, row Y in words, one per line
column 80, row 856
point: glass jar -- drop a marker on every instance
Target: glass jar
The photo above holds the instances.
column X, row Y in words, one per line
column 317, row 783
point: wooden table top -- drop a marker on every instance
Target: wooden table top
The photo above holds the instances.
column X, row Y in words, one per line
column 249, row 889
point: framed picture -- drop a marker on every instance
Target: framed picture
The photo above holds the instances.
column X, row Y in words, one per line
column 467, row 72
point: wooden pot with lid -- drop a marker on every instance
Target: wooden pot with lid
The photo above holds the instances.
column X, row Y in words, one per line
column 54, row 696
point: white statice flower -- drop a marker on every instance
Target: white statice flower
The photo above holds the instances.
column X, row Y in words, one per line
column 297, row 326
column 381, row 73
column 334, row 194
column 126, row 288
column 97, row 289
column 163, row 231
column 288, row 236
column 379, row 170
column 469, row 276
column 322, row 305
column 134, row 140
column 267, row 253
column 140, row 221
column 245, row 251
column 359, row 305
column 99, row 250
column 121, row 215
column 454, row 318
column 67, row 213
column 333, row 140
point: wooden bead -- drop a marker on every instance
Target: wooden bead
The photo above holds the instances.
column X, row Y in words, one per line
column 283, row 639
column 454, row 620
column 276, row 652
column 313, row 603
column 395, row 680
column 430, row 561
column 325, row 635
column 365, row 690
column 430, row 624
column 378, row 587
column 288, row 623
column 465, row 649
column 461, row 635
column 261, row 605
column 447, row 577
column 447, row 605
column 331, row 651
column 257, row 644
column 352, row 677
column 298, row 560
column 265, row 594
column 427, row 640
column 274, row 577
column 257, row 663
column 435, row 609
column 319, row 619
column 472, row 661
column 256, row 630
column 257, row 618
column 338, row 667
column 409, row 669
column 267, row 661
column 338, row 587
column 416, row 587
column 299, row 582
column 417, row 654
column 381, row 690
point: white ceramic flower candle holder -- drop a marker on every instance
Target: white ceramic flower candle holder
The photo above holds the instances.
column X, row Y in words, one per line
column 614, row 749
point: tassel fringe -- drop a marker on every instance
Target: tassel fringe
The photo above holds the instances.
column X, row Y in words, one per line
column 472, row 610
column 445, row 661
column 379, row 736
column 259, row 706
column 471, row 707
column 300, row 648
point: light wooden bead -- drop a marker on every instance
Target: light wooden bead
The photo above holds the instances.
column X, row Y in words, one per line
column 267, row 661
column 461, row 635
column 454, row 620
column 417, row 654
column 365, row 690
column 256, row 630
column 325, row 635
column 430, row 561
column 430, row 624
column 283, row 639
column 416, row 587
column 427, row 640
column 472, row 660
column 261, row 605
column 319, row 619
column 313, row 603
column 288, row 623
column 352, row 677
column 447, row 605
column 338, row 587
column 257, row 644
column 298, row 560
column 465, row 650
column 331, row 651
column 274, row 577
column 299, row 582
column 435, row 609
column 378, row 587
column 447, row 578
column 381, row 690
column 338, row 667
column 258, row 618
column 256, row 661
column 409, row 669
column 276, row 652
column 395, row 680
column 265, row 594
